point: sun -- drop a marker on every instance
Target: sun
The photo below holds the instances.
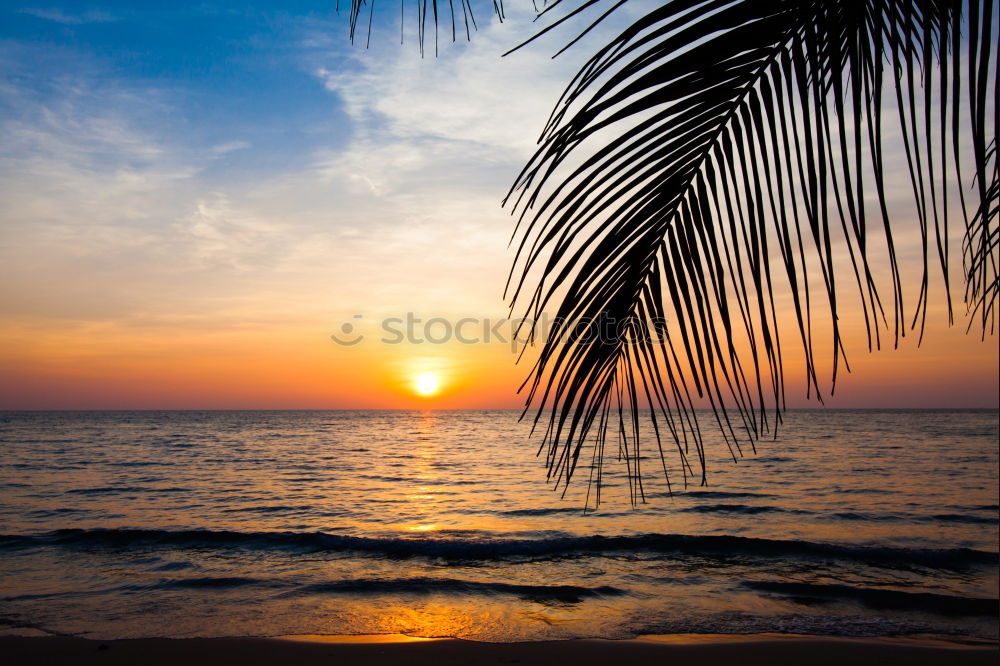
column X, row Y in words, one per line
column 427, row 383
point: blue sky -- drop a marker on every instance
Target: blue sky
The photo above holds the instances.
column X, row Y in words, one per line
column 231, row 73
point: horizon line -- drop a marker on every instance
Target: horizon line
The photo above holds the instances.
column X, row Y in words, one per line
column 4, row 410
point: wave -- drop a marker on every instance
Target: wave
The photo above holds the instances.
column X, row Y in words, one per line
column 962, row 518
column 540, row 512
column 419, row 586
column 425, row 585
column 205, row 582
column 110, row 490
column 720, row 494
column 728, row 547
column 744, row 509
column 811, row 623
column 912, row 518
column 280, row 508
column 881, row 599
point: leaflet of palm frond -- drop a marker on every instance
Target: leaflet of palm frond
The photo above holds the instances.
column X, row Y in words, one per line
column 714, row 158
column 981, row 247
column 426, row 16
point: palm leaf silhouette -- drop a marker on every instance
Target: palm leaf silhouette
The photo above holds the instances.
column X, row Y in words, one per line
column 706, row 163
column 426, row 14
column 719, row 162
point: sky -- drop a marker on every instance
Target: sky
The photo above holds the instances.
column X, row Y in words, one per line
column 195, row 196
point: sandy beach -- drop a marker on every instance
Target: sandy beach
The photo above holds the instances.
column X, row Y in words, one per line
column 375, row 651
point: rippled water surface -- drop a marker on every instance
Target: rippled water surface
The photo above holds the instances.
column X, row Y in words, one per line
column 440, row 523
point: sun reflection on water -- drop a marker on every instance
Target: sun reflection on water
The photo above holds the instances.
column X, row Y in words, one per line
column 430, row 527
column 423, row 503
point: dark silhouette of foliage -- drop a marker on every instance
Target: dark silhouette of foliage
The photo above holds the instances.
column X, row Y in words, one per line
column 720, row 162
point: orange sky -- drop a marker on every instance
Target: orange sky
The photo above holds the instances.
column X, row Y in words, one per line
column 301, row 368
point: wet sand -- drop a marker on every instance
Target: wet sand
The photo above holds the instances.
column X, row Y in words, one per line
column 765, row 650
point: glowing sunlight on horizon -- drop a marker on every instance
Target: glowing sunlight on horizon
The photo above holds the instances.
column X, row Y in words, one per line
column 427, row 384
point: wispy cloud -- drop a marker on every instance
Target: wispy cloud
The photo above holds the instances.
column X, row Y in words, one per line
column 469, row 95
column 59, row 16
column 216, row 235
column 229, row 147
column 113, row 210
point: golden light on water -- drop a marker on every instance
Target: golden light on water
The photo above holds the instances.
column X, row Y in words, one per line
column 427, row 383
column 426, row 527
column 363, row 638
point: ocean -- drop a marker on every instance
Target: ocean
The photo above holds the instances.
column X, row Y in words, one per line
column 441, row 523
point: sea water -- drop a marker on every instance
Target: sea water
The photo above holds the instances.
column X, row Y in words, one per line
column 441, row 523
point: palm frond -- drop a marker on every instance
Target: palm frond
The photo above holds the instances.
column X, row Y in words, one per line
column 428, row 16
column 981, row 247
column 721, row 161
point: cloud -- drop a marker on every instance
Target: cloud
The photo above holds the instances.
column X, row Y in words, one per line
column 112, row 214
column 229, row 147
column 216, row 235
column 59, row 16
column 469, row 95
